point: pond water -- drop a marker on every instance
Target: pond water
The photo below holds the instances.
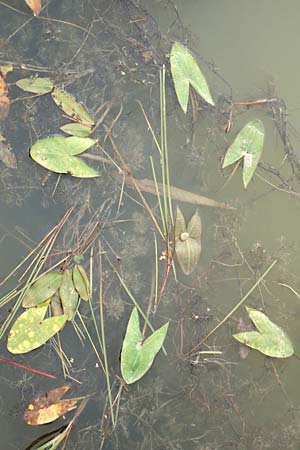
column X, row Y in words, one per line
column 108, row 54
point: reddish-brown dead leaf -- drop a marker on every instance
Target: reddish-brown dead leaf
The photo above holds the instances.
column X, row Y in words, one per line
column 35, row 6
column 48, row 407
column 4, row 99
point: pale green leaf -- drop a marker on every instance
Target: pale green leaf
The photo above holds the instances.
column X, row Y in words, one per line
column 270, row 339
column 137, row 358
column 248, row 144
column 81, row 282
column 36, row 85
column 68, row 295
column 42, row 289
column 30, row 331
column 71, row 107
column 185, row 71
column 57, row 154
column 77, row 129
column 188, row 241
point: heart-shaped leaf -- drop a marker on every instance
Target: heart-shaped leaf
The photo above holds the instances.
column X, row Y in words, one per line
column 30, row 331
column 81, row 282
column 36, row 85
column 57, row 154
column 77, row 129
column 42, row 289
column 185, row 71
column 248, row 144
column 68, row 294
column 137, row 357
column 188, row 241
column 71, row 107
column 48, row 407
column 270, row 339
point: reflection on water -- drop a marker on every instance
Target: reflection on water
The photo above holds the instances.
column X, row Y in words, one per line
column 109, row 53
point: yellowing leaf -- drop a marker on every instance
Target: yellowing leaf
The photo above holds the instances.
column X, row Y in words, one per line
column 48, row 407
column 35, row 6
column 30, row 331
column 4, row 99
column 71, row 107
column 76, row 129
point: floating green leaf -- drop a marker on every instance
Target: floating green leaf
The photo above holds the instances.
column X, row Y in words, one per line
column 36, row 85
column 57, row 154
column 137, row 357
column 42, row 289
column 81, row 282
column 185, row 71
column 68, row 295
column 270, row 339
column 30, row 331
column 71, row 107
column 188, row 241
column 77, row 129
column 248, row 144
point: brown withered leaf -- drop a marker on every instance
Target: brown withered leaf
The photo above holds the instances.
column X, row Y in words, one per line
column 7, row 156
column 35, row 6
column 4, row 99
column 48, row 407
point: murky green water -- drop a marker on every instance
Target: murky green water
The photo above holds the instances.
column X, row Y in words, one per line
column 200, row 402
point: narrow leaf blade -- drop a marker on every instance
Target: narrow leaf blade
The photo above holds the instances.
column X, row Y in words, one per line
column 36, row 85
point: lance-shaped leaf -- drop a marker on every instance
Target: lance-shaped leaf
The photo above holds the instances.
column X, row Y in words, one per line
column 68, row 294
column 81, row 282
column 248, row 144
column 35, row 6
column 77, row 129
column 185, row 71
column 270, row 339
column 188, row 241
column 30, row 331
column 137, row 357
column 42, row 289
column 48, row 407
column 36, row 85
column 71, row 107
column 57, row 154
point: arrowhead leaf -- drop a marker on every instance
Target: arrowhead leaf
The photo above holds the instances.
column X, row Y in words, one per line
column 270, row 339
column 137, row 358
column 57, row 154
column 188, row 241
column 248, row 144
column 185, row 71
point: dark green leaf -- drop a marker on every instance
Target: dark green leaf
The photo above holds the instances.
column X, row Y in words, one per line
column 185, row 71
